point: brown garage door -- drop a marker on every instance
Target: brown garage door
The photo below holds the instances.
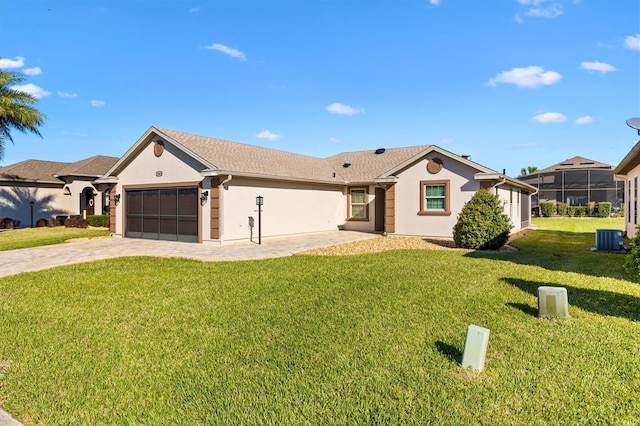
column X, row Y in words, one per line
column 162, row 213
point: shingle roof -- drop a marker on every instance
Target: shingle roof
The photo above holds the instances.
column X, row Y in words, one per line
column 365, row 166
column 48, row 171
column 95, row 166
column 576, row 163
column 234, row 157
column 32, row 170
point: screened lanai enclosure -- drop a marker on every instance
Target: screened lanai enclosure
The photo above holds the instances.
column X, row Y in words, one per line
column 577, row 181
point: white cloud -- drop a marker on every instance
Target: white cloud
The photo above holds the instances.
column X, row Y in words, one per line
column 529, row 77
column 81, row 135
column 598, row 66
column 12, row 63
column 538, row 9
column 66, row 95
column 334, row 140
column 32, row 71
column 35, row 91
column 97, row 104
column 193, row 10
column 581, row 121
column 340, row 109
column 632, row 42
column 435, row 2
column 445, row 141
column 235, row 53
column 550, row 117
column 268, row 135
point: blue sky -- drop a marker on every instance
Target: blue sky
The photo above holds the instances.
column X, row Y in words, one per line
column 513, row 83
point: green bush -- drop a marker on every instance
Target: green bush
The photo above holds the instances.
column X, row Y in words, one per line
column 98, row 220
column 604, row 209
column 546, row 209
column 591, row 207
column 572, row 211
column 482, row 223
column 632, row 260
column 562, row 208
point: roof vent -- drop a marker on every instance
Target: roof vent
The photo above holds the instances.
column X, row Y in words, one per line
column 380, row 151
column 346, row 164
column 465, row 156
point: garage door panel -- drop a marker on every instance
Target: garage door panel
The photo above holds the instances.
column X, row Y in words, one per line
column 162, row 213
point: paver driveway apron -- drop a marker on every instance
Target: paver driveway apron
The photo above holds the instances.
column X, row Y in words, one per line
column 38, row 258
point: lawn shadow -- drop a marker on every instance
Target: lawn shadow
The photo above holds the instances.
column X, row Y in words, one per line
column 560, row 251
column 600, row 302
column 524, row 308
column 450, row 352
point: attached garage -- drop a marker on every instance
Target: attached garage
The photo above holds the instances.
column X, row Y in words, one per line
column 162, row 213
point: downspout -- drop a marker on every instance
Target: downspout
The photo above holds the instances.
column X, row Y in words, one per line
column 228, row 179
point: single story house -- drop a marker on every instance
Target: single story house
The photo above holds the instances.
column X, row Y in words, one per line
column 629, row 168
column 33, row 189
column 179, row 186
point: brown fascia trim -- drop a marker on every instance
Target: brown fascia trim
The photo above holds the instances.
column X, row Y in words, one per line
column 217, row 173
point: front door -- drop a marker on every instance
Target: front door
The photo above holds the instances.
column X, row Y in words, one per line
column 89, row 201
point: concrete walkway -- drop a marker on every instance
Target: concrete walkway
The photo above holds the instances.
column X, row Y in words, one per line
column 38, row 258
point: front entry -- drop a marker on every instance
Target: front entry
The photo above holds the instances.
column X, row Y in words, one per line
column 87, row 202
column 162, row 213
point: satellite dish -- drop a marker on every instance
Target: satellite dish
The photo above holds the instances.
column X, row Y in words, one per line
column 634, row 123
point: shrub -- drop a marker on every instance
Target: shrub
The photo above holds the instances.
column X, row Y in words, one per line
column 59, row 220
column 591, row 207
column 604, row 209
column 99, row 220
column 546, row 209
column 581, row 211
column 76, row 222
column 631, row 262
column 7, row 223
column 482, row 223
column 42, row 223
column 572, row 211
column 562, row 208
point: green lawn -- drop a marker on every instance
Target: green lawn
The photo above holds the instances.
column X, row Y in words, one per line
column 367, row 339
column 32, row 237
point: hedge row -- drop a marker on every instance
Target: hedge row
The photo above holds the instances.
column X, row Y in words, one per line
column 549, row 208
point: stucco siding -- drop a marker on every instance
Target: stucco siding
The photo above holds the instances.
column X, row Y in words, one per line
column 409, row 194
column 511, row 204
column 289, row 208
column 48, row 202
column 631, row 193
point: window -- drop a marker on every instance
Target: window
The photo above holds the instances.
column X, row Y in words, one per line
column 434, row 198
column 358, row 204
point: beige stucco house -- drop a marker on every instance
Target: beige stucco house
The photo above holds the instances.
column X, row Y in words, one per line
column 54, row 188
column 179, row 186
column 629, row 168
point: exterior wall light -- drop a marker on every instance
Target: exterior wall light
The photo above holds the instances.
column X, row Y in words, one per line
column 203, row 197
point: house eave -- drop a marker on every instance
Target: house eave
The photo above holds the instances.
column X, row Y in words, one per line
column 261, row 176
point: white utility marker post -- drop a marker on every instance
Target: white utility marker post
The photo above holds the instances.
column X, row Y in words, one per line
column 475, row 347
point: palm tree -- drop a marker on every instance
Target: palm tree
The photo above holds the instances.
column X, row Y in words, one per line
column 16, row 110
column 528, row 171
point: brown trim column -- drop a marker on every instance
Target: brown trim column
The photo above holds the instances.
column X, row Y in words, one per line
column 390, row 209
column 215, row 208
column 112, row 210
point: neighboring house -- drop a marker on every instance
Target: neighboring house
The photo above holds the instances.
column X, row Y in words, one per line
column 54, row 188
column 629, row 167
column 577, row 181
column 179, row 186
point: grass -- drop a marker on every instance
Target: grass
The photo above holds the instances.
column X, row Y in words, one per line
column 367, row 339
column 33, row 237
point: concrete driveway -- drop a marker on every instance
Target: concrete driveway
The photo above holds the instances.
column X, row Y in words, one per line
column 38, row 258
